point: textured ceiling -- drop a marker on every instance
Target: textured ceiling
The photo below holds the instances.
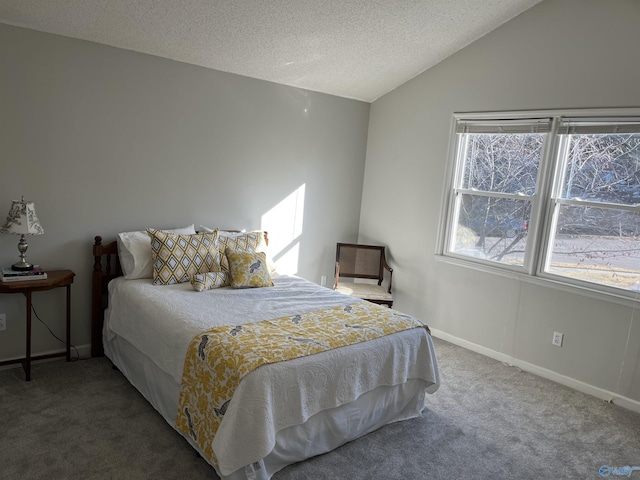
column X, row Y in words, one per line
column 357, row 49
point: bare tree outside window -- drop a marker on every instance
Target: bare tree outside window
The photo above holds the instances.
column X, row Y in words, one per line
column 499, row 180
column 597, row 234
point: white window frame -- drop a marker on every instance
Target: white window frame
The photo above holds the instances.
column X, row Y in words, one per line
column 548, row 185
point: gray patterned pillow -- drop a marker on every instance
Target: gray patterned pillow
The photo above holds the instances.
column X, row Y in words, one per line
column 177, row 258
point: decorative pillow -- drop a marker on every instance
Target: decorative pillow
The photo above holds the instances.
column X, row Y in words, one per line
column 134, row 251
column 232, row 238
column 209, row 280
column 241, row 242
column 248, row 269
column 176, row 258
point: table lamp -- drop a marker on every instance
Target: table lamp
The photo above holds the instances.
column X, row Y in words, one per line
column 22, row 220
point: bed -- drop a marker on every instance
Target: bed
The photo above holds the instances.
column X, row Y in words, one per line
column 281, row 412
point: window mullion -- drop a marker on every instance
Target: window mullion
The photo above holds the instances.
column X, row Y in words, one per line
column 541, row 212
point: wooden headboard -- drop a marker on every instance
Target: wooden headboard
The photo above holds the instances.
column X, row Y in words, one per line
column 106, row 267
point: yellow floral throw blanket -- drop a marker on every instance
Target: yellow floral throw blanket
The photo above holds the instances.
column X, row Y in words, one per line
column 219, row 358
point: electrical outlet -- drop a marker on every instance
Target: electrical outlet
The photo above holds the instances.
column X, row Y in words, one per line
column 323, row 280
column 3, row 321
column 557, row 339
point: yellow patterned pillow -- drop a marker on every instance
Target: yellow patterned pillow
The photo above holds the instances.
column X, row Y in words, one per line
column 248, row 269
column 176, row 258
column 209, row 280
column 241, row 242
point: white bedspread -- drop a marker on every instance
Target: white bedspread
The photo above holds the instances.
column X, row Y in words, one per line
column 161, row 321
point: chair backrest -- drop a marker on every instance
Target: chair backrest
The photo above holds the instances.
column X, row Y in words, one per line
column 360, row 261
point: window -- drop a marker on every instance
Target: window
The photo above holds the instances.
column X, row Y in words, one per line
column 547, row 195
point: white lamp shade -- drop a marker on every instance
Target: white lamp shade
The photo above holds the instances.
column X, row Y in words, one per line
column 22, row 219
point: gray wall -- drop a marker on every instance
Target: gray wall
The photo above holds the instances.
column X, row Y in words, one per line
column 106, row 140
column 559, row 54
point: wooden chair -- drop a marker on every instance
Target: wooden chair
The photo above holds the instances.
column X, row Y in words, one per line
column 366, row 262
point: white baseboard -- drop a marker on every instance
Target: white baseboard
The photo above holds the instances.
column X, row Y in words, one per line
column 583, row 387
column 84, row 351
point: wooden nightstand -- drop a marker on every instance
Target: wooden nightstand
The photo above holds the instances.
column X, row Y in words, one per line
column 55, row 279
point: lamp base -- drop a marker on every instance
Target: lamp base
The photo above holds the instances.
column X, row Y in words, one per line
column 22, row 266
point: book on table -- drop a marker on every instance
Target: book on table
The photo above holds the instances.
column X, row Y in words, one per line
column 10, row 275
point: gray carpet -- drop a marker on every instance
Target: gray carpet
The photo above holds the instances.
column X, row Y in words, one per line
column 488, row 421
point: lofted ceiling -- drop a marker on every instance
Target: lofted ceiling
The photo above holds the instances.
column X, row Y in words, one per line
column 358, row 49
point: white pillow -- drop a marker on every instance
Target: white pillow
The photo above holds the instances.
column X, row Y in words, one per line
column 134, row 250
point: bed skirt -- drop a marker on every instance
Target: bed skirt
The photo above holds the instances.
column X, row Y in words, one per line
column 320, row 434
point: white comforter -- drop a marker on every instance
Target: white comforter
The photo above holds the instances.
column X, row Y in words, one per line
column 162, row 320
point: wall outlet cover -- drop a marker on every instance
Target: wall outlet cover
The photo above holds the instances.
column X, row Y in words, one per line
column 557, row 339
